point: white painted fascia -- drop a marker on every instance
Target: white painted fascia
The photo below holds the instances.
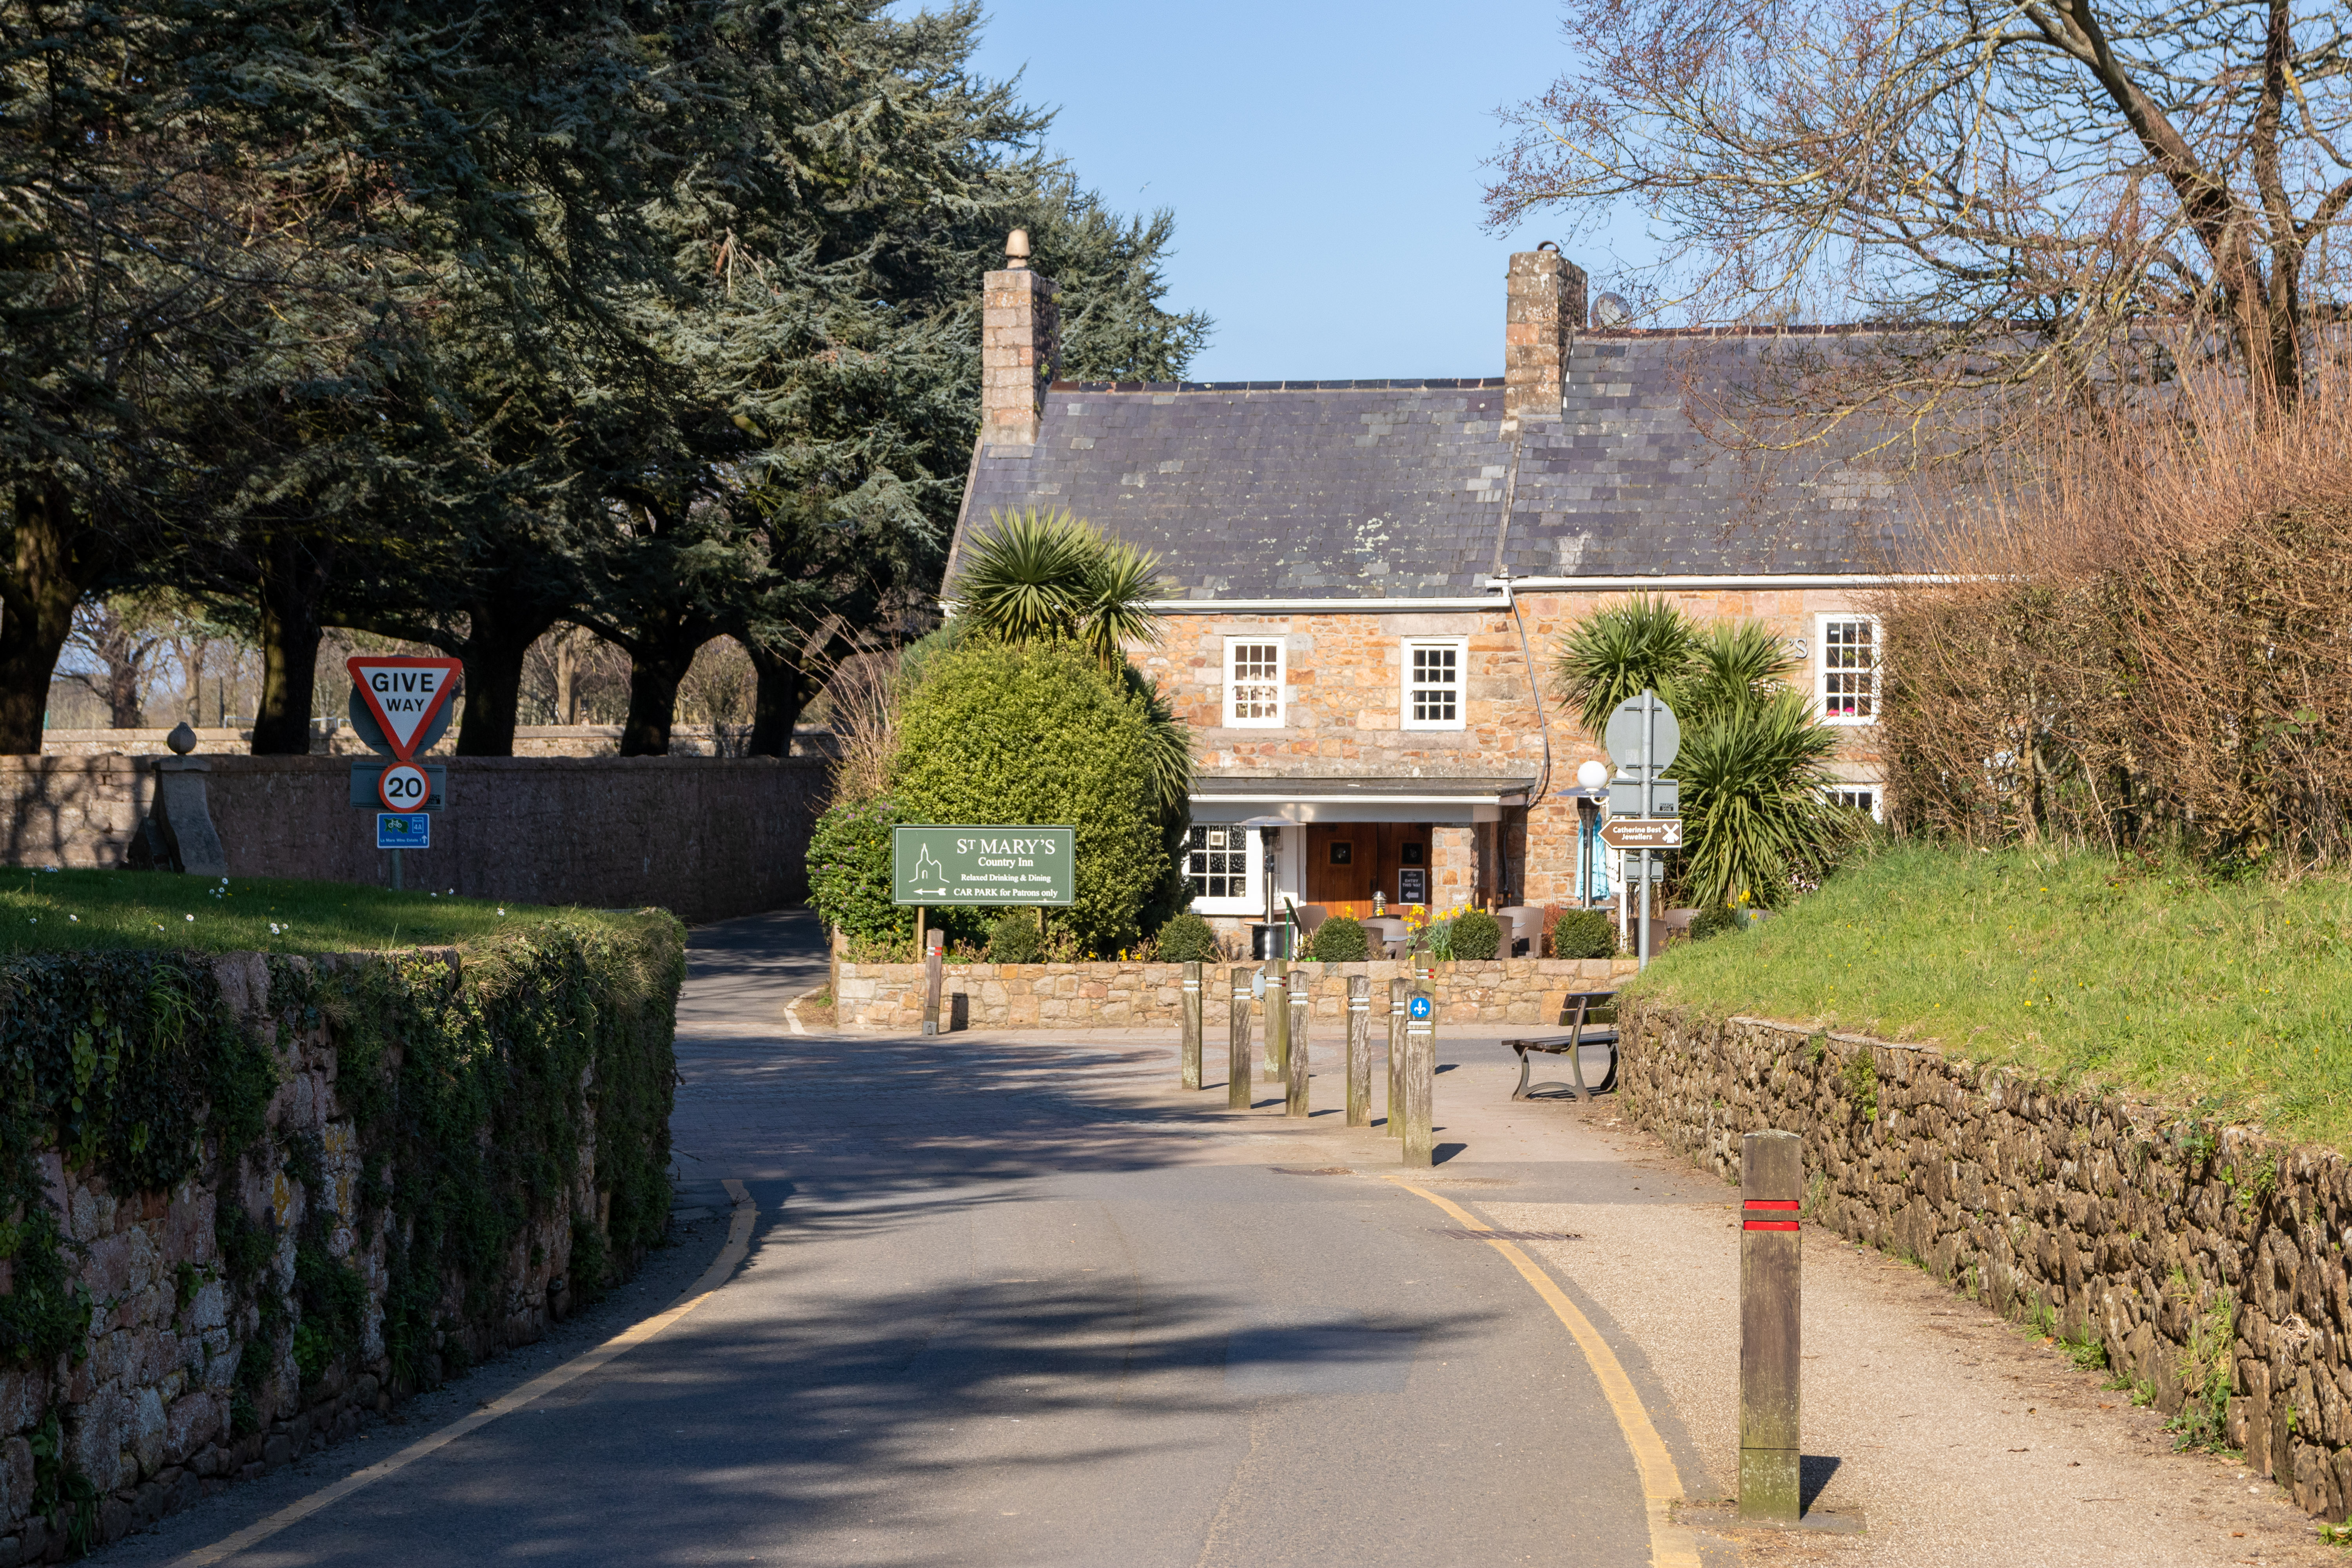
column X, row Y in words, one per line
column 1753, row 581
column 1504, row 798
column 1333, row 607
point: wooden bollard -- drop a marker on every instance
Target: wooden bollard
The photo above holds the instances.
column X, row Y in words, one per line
column 1771, row 1178
column 1237, row 1064
column 1294, row 1079
column 1420, row 1077
column 934, row 977
column 1191, row 1064
column 1394, row 1125
column 1277, row 1021
column 1359, row 1051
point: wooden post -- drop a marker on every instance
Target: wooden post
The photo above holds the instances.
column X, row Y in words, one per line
column 1359, row 1051
column 918, row 933
column 934, row 977
column 1278, row 1020
column 1394, row 1126
column 1294, row 1101
column 1192, row 1065
column 1771, row 1180
column 1237, row 1064
column 1420, row 1077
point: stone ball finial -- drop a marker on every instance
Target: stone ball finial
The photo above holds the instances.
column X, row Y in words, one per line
column 1016, row 250
column 182, row 740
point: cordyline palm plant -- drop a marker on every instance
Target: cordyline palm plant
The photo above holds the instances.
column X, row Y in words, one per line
column 1753, row 766
column 1040, row 576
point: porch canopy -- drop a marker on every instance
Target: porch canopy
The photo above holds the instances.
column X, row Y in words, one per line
column 1229, row 798
column 1343, row 840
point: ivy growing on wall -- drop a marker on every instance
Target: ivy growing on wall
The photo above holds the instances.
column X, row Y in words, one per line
column 469, row 1078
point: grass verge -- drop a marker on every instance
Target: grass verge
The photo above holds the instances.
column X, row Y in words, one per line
column 62, row 911
column 2229, row 996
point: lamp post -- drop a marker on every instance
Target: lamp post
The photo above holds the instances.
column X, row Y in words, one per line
column 1591, row 777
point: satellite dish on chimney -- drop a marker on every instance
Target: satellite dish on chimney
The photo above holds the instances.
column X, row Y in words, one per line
column 1610, row 310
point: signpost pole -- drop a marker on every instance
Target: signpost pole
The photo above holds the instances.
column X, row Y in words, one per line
column 395, row 871
column 1359, row 1051
column 1295, row 1062
column 1419, row 1079
column 1649, row 745
column 1191, row 1063
column 1771, row 1177
column 1394, row 1125
column 1278, row 1020
column 1237, row 1061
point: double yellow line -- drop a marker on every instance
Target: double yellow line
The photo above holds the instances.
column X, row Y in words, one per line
column 1671, row 1545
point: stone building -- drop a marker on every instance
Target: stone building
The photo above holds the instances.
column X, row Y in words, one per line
column 1368, row 577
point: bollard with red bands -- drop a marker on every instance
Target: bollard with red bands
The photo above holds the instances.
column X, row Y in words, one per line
column 1753, row 1207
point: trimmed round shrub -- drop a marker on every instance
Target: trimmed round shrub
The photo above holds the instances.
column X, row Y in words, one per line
column 1715, row 921
column 1478, row 935
column 1013, row 938
column 1584, row 933
column 1038, row 735
column 849, row 872
column 1340, row 940
column 1188, row 938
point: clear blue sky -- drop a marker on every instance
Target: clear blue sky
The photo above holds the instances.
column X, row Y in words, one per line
column 1322, row 159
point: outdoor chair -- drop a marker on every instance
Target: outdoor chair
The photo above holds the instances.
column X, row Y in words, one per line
column 1526, row 923
column 1389, row 933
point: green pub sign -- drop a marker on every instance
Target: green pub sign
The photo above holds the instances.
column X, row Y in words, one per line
column 944, row 865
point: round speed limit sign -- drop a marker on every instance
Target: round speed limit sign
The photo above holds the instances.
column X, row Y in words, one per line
column 403, row 787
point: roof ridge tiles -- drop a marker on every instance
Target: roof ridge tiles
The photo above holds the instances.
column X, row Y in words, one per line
column 1424, row 384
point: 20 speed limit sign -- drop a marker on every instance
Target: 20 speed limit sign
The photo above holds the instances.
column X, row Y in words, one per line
column 403, row 787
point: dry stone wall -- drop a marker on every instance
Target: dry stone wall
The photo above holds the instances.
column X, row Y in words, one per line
column 2206, row 1261
column 208, row 1356
column 1096, row 995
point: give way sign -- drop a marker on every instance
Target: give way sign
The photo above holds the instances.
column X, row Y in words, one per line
column 403, row 693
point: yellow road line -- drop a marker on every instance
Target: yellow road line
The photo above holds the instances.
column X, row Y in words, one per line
column 1671, row 1545
column 739, row 1242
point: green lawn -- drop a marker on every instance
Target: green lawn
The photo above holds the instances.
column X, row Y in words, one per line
column 54, row 911
column 2230, row 997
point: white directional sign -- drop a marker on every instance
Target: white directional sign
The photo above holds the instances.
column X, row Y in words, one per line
column 403, row 694
column 1643, row 833
column 403, row 787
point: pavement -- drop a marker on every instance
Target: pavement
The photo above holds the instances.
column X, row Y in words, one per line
column 1020, row 1300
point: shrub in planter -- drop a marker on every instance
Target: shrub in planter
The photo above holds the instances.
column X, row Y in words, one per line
column 1715, row 921
column 1340, row 940
column 1188, row 939
column 1478, row 935
column 1013, row 938
column 1584, row 933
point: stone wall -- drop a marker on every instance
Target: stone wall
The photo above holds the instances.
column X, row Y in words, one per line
column 2207, row 1261
column 529, row 741
column 704, row 838
column 179, row 1385
column 1095, row 995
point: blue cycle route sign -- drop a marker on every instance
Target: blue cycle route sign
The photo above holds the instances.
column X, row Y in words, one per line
column 403, row 830
column 1419, row 1007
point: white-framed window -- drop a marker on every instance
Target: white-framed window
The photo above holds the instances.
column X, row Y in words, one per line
column 1848, row 663
column 1867, row 797
column 1433, row 670
column 1254, row 682
column 1223, row 866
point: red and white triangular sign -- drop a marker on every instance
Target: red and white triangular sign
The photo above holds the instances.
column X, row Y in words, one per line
column 403, row 693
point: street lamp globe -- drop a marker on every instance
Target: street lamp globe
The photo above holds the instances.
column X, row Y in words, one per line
column 1592, row 774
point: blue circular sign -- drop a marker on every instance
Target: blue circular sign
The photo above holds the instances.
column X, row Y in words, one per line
column 1421, row 1007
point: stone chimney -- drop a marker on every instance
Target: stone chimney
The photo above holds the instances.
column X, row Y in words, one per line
column 1020, row 348
column 1544, row 306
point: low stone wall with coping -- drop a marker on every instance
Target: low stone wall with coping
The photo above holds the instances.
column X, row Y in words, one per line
column 1094, row 995
column 2208, row 1262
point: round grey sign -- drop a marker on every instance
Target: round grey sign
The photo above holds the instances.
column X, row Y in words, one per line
column 1623, row 736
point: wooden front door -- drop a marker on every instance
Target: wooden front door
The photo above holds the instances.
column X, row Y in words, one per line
column 1339, row 861
column 1345, row 861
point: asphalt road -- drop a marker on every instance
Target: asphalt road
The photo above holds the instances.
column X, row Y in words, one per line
column 1019, row 1301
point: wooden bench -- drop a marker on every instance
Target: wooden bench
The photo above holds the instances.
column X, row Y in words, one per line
column 1581, row 1033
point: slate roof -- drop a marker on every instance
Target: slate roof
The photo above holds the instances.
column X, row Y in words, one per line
column 1397, row 489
